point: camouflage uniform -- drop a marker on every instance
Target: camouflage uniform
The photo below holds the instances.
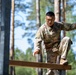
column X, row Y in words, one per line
column 51, row 38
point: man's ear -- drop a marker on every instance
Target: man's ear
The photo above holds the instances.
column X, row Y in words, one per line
column 54, row 17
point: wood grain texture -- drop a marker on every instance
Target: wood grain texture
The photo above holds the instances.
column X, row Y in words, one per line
column 39, row 65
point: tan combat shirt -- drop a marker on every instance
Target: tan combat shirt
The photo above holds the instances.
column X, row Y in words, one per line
column 51, row 35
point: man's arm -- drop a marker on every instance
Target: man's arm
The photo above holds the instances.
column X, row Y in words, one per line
column 36, row 52
column 68, row 26
column 37, row 42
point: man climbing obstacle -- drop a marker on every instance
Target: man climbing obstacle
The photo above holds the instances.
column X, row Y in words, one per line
column 50, row 33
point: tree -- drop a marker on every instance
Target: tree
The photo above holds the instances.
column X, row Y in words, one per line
column 39, row 57
column 12, row 69
column 22, row 7
column 57, row 10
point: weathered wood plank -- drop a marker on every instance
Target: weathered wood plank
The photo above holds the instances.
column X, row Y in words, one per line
column 39, row 65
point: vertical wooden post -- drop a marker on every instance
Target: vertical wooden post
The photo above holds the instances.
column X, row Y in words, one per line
column 12, row 68
column 63, row 14
column 57, row 7
column 39, row 56
column 5, row 8
column 57, row 10
column 62, row 72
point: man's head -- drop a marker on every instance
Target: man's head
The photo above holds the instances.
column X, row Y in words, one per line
column 50, row 18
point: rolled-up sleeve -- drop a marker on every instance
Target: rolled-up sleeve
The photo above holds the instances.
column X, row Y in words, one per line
column 68, row 26
column 38, row 40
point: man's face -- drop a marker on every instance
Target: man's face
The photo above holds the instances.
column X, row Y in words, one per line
column 50, row 20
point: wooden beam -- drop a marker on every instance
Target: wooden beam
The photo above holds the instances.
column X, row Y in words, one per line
column 39, row 65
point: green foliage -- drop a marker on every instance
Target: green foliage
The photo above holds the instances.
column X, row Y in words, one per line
column 72, row 62
column 19, row 55
column 25, row 71
column 71, row 56
column 73, row 70
column 45, row 5
column 49, row 6
column 29, row 55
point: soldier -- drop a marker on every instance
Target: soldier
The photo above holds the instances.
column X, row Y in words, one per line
column 50, row 33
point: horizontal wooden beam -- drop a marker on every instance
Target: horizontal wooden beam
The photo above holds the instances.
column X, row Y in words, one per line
column 39, row 65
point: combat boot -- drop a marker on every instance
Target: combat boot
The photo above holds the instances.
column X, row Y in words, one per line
column 63, row 62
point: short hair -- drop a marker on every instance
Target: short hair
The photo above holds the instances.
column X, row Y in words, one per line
column 50, row 13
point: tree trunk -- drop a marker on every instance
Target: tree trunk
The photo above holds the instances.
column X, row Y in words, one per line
column 63, row 14
column 12, row 69
column 57, row 10
column 57, row 5
column 39, row 56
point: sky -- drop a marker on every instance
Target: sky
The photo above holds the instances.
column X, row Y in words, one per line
column 20, row 42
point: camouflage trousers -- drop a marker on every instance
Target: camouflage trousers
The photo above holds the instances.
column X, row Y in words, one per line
column 63, row 50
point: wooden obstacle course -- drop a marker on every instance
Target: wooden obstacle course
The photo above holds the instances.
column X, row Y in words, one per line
column 39, row 65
